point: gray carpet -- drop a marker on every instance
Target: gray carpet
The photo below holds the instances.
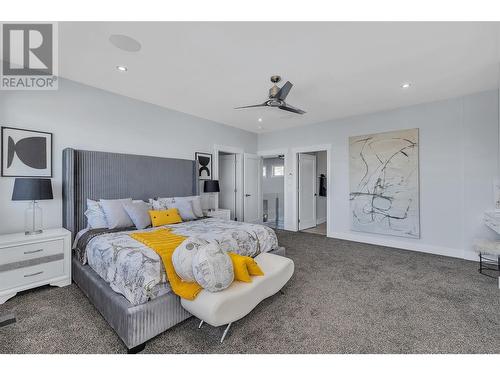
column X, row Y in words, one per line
column 345, row 297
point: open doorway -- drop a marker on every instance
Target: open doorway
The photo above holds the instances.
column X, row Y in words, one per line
column 312, row 192
column 273, row 191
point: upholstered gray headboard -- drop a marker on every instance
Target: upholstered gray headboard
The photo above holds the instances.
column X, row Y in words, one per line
column 96, row 175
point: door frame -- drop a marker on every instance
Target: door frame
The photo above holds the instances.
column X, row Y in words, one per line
column 293, row 224
column 271, row 153
column 239, row 175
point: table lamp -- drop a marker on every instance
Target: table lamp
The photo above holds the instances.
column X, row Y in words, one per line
column 32, row 189
column 211, row 186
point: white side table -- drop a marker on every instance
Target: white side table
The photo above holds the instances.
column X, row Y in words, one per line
column 220, row 213
column 30, row 261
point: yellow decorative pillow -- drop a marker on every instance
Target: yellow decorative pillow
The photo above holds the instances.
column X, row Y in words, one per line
column 240, row 268
column 164, row 217
column 253, row 267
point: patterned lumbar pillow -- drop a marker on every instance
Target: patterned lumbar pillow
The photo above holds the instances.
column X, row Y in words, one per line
column 160, row 203
column 182, row 258
column 212, row 268
column 95, row 215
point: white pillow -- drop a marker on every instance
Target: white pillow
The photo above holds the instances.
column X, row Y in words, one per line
column 116, row 216
column 212, row 268
column 185, row 209
column 182, row 258
column 95, row 215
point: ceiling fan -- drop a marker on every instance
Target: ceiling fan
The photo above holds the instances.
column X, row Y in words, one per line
column 277, row 97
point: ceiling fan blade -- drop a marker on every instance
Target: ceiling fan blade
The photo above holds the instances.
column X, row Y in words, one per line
column 252, row 106
column 285, row 89
column 289, row 108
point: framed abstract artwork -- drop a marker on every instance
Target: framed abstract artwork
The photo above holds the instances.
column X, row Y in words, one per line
column 203, row 165
column 384, row 183
column 26, row 153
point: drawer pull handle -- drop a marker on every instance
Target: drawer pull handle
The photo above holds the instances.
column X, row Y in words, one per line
column 33, row 251
column 34, row 274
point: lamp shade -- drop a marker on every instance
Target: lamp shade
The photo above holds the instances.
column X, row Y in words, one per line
column 211, row 186
column 32, row 189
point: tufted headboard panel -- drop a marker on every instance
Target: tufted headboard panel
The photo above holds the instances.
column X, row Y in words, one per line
column 103, row 175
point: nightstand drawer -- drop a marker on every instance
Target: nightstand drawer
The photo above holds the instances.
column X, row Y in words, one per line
column 29, row 275
column 31, row 251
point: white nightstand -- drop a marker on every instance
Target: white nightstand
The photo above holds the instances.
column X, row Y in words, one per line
column 30, row 261
column 220, row 213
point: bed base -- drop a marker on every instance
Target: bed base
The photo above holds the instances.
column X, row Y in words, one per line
column 133, row 324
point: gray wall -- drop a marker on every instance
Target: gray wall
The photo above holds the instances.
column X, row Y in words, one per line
column 87, row 118
column 458, row 162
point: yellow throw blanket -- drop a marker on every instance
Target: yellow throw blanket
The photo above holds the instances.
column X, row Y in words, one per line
column 164, row 243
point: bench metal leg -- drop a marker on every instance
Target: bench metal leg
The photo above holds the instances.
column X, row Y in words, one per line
column 201, row 323
column 225, row 332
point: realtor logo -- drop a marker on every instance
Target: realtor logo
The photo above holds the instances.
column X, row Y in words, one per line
column 29, row 56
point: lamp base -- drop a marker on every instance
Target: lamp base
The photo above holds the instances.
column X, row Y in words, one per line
column 30, row 233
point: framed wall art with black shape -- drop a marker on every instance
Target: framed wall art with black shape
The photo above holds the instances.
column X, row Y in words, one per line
column 203, row 165
column 26, row 153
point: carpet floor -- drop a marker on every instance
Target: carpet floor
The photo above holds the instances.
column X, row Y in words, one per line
column 344, row 297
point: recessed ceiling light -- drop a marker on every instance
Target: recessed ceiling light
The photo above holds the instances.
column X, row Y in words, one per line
column 121, row 68
column 406, row 85
column 259, row 119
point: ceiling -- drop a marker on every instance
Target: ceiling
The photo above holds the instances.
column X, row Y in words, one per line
column 338, row 69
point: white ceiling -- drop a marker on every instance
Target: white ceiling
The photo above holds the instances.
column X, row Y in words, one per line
column 338, row 69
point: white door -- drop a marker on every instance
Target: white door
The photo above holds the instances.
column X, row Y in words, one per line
column 251, row 188
column 307, row 191
column 227, row 183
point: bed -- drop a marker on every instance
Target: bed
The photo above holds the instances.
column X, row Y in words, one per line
column 137, row 314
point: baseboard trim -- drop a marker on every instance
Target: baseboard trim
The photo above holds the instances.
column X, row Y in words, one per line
column 423, row 248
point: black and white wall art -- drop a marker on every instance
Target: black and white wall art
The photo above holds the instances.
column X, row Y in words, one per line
column 204, row 165
column 26, row 153
column 384, row 183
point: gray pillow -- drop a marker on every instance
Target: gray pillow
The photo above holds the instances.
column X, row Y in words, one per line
column 212, row 268
column 182, row 258
column 138, row 211
column 116, row 216
column 196, row 203
column 185, row 208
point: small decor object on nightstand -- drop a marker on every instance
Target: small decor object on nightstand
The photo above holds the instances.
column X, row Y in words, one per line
column 204, row 165
column 32, row 189
column 211, row 186
column 26, row 153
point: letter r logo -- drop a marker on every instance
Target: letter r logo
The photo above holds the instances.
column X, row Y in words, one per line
column 27, row 49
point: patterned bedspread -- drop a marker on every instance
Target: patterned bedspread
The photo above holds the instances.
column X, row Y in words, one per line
column 136, row 271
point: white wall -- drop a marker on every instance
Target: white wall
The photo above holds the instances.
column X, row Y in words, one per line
column 458, row 161
column 83, row 117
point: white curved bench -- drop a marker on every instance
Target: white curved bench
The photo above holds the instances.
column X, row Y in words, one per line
column 233, row 303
